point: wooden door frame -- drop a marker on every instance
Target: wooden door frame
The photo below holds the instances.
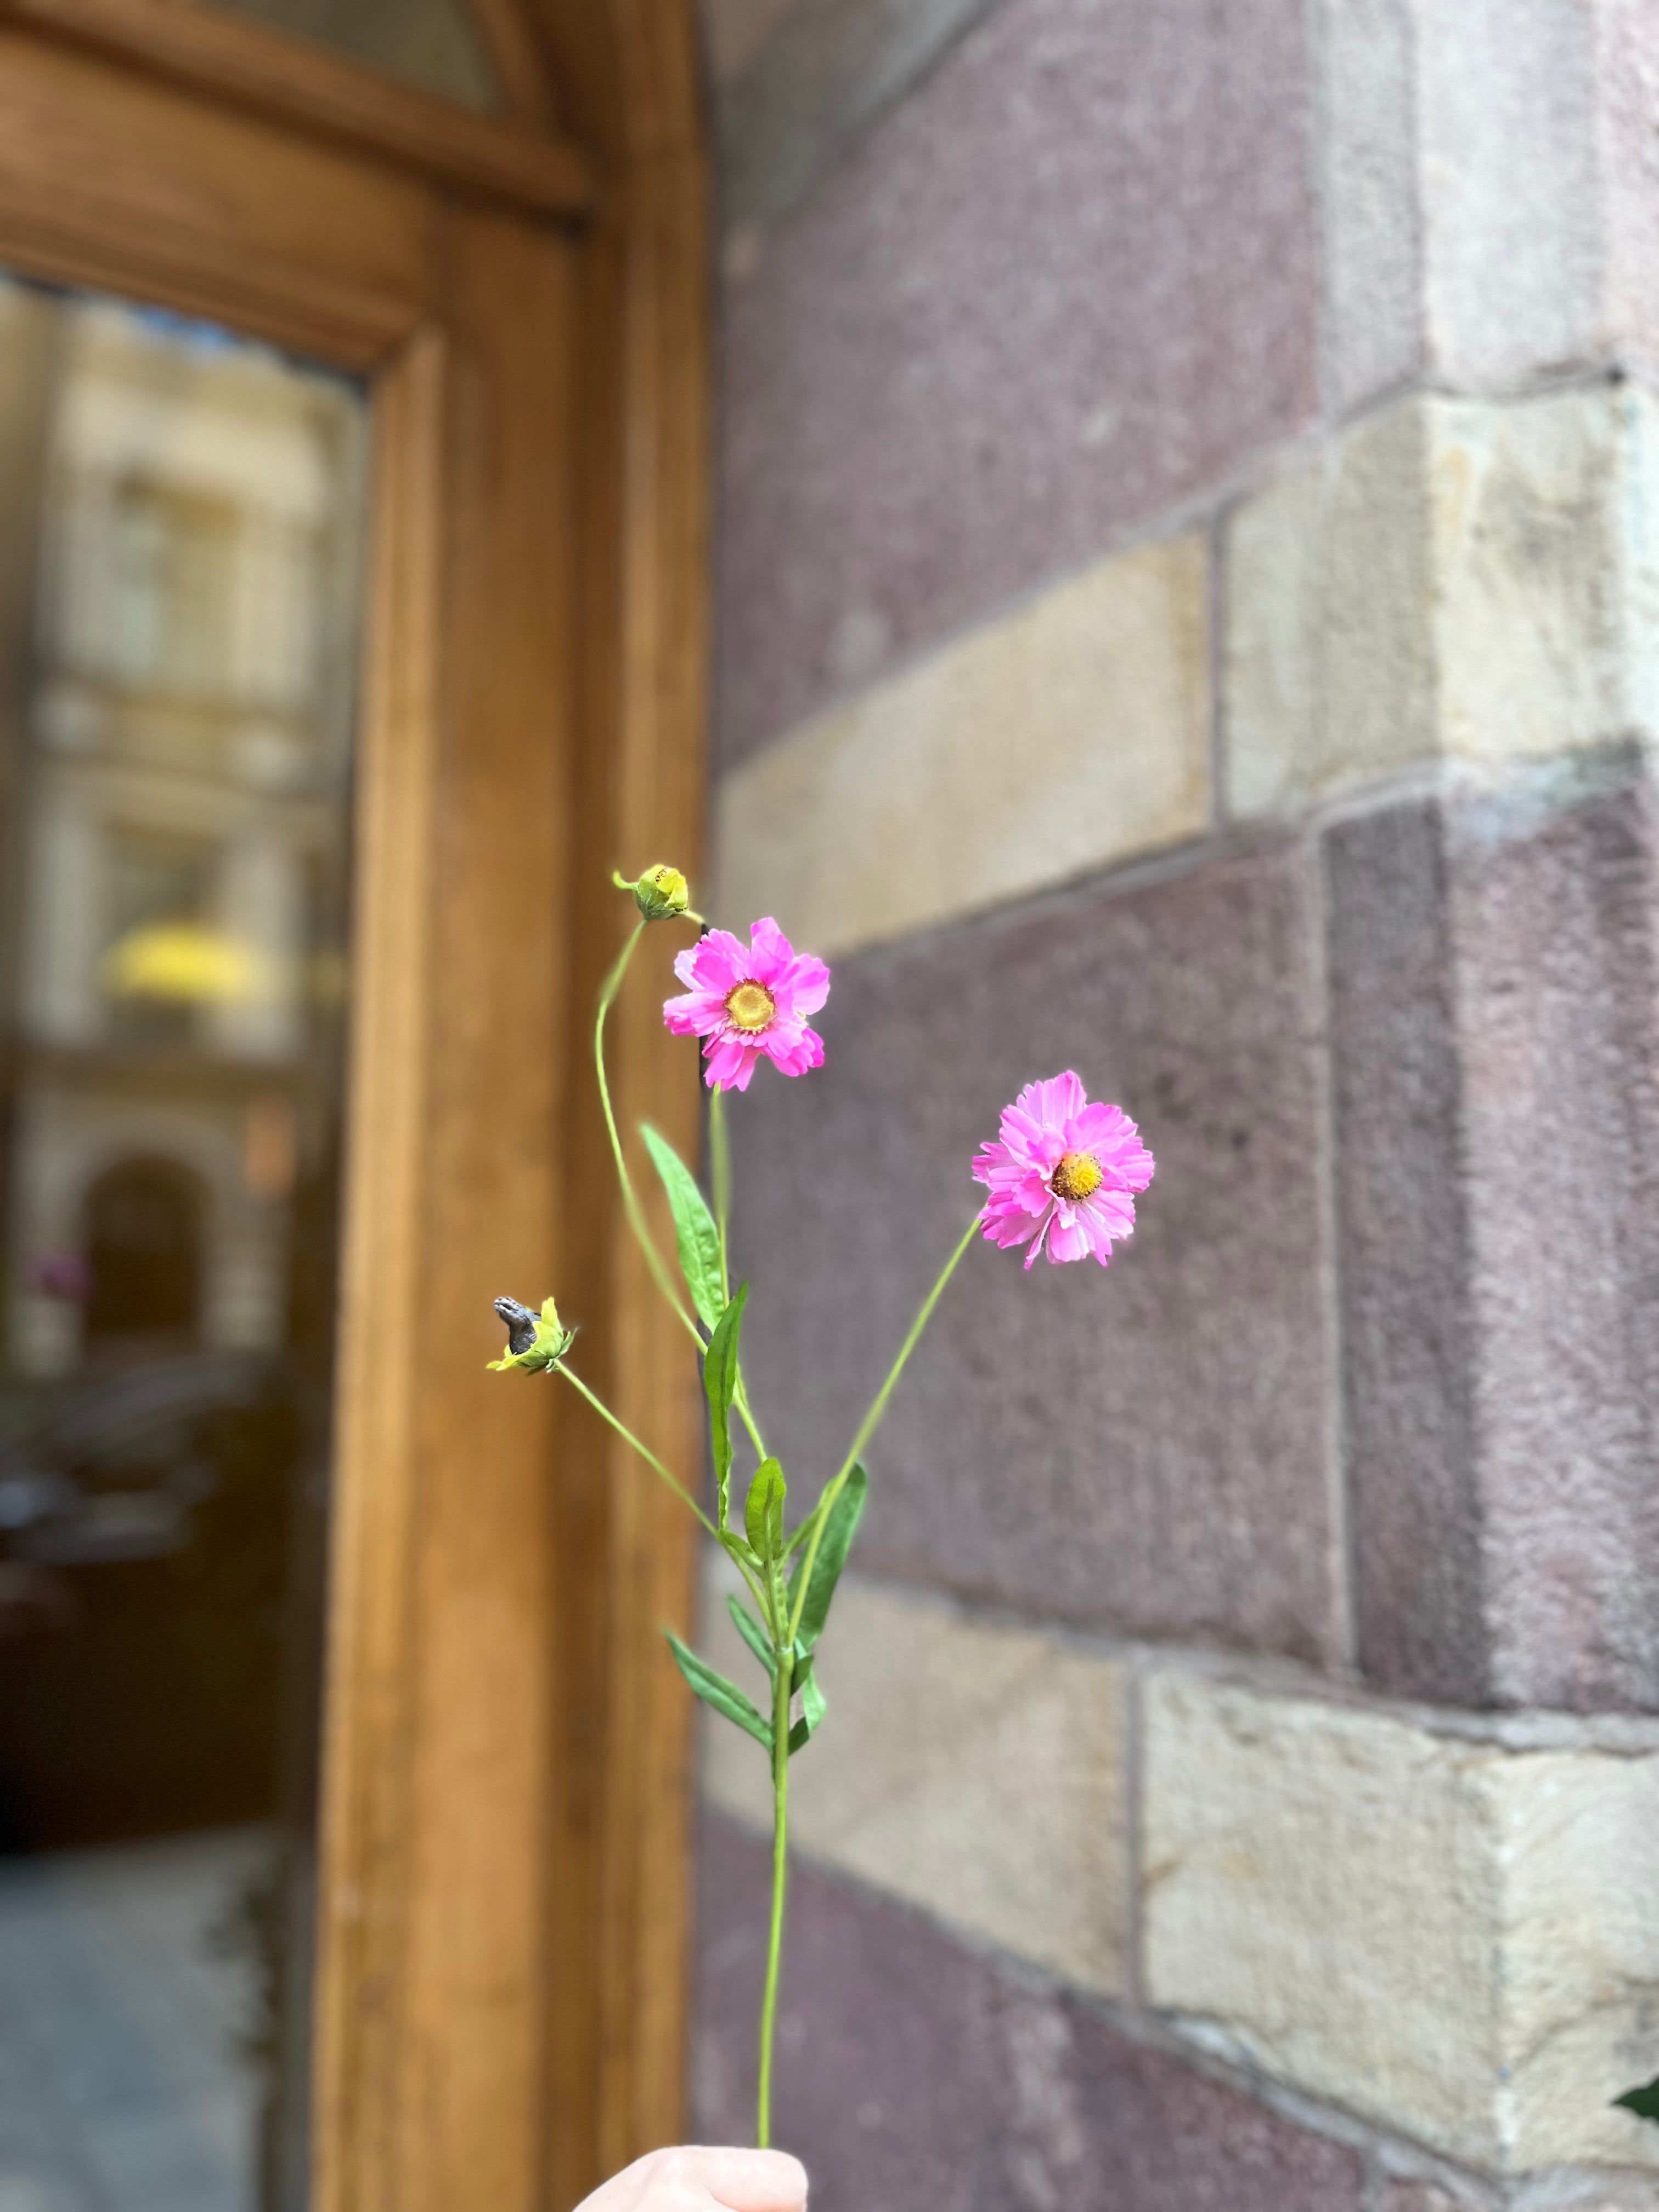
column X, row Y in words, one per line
column 505, row 1842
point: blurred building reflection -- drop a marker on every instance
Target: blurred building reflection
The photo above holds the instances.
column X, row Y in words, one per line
column 180, row 519
column 177, row 760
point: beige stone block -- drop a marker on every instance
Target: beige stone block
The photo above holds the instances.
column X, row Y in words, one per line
column 1459, row 1941
column 1072, row 734
column 1529, row 519
column 1324, row 1885
column 1328, row 675
column 1581, row 1956
column 973, row 1770
column 1449, row 580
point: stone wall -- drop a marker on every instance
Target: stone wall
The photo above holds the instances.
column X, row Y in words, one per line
column 1189, row 610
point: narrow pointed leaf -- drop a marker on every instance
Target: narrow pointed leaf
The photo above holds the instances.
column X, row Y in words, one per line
column 738, row 1548
column 763, row 1515
column 838, row 1534
column 1643, row 2102
column 719, row 1380
column 714, row 1690
column 695, row 1231
column 752, row 1633
column 813, row 1706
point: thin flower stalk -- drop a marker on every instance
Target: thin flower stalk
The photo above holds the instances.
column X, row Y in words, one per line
column 820, row 1515
column 1062, row 1177
column 631, row 1206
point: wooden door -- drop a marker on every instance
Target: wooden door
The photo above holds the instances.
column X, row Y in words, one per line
column 502, row 1950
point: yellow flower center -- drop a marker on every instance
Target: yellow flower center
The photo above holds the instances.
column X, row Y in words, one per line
column 1078, row 1173
column 751, row 1006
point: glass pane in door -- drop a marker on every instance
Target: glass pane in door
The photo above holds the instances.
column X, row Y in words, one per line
column 181, row 548
column 433, row 44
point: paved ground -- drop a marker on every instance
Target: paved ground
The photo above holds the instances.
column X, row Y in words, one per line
column 123, row 2087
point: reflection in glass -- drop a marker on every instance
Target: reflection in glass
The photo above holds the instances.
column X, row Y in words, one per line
column 179, row 563
column 433, row 44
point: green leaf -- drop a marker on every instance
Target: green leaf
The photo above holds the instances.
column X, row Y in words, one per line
column 752, row 1633
column 695, row 1231
column 714, row 1690
column 763, row 1515
column 719, row 1380
column 1643, row 2102
column 813, row 1706
column 839, row 1532
column 738, row 1548
column 758, row 1642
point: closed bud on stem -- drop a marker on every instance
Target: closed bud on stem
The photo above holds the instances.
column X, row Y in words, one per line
column 535, row 1341
column 661, row 894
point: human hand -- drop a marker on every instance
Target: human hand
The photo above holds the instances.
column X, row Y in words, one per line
column 691, row 2179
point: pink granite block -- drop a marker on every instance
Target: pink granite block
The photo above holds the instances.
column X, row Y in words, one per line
column 1071, row 279
column 1143, row 1449
column 1494, row 987
column 915, row 2076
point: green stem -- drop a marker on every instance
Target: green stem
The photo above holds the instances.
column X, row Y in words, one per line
column 821, row 1512
column 644, row 1450
column 781, row 1701
column 631, row 1207
column 720, row 1162
column 757, row 1590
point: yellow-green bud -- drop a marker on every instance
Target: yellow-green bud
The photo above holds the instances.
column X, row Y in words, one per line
column 660, row 894
column 534, row 1341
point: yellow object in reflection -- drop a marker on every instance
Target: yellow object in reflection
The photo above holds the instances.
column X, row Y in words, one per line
column 183, row 961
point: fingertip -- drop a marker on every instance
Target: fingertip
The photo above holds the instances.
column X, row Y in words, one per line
column 757, row 2181
column 792, row 2179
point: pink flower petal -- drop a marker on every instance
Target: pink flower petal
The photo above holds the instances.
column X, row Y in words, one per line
column 697, row 1014
column 1046, row 1121
column 796, row 1058
column 807, row 984
column 797, row 984
column 728, row 1064
column 719, row 963
column 769, row 953
column 1069, row 1239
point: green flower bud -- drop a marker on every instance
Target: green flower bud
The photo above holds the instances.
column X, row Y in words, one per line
column 534, row 1341
column 660, row 894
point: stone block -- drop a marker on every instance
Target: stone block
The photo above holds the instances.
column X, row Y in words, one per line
column 1431, row 2196
column 973, row 1770
column 1070, row 734
column 1581, row 1956
column 1508, row 128
column 915, row 2076
column 1447, row 579
column 1070, row 281
column 1143, row 1449
column 1554, row 899
column 1456, row 1942
column 1492, row 976
column 1403, row 1258
column 1324, row 1886
column 1374, row 311
column 809, row 92
column 1328, row 676
column 1491, row 190
column 1540, row 566
column 1627, row 54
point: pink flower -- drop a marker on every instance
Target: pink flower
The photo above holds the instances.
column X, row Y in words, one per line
column 750, row 1001
column 1063, row 1170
